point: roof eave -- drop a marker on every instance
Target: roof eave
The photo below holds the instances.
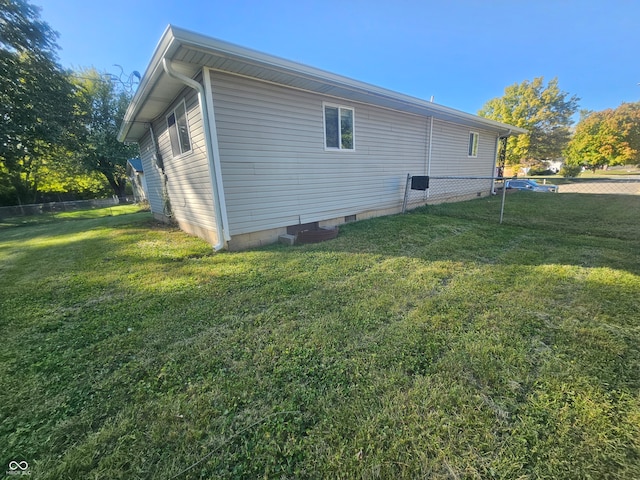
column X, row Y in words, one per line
column 165, row 47
column 174, row 38
column 202, row 42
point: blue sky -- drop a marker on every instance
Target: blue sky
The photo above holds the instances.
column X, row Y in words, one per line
column 462, row 52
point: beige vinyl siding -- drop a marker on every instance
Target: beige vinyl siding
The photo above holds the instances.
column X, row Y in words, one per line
column 188, row 177
column 450, row 157
column 152, row 174
column 275, row 168
column 450, row 151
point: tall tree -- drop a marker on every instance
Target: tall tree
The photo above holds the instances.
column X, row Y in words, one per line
column 544, row 110
column 60, row 176
column 102, row 103
column 609, row 137
column 36, row 97
column 21, row 29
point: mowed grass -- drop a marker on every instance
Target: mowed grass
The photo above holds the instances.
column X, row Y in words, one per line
column 425, row 345
column 49, row 217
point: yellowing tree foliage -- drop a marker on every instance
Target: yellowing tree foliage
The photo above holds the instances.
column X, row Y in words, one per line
column 609, row 137
column 545, row 111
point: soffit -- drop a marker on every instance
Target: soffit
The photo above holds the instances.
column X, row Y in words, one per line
column 190, row 52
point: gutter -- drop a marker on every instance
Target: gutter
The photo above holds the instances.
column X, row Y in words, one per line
column 175, row 38
column 256, row 58
column 495, row 161
column 165, row 48
column 495, row 165
column 429, row 151
column 208, row 120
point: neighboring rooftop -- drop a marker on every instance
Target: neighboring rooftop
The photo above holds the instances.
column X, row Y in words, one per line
column 136, row 164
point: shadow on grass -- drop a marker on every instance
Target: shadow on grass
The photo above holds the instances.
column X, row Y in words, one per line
column 135, row 343
column 543, row 232
column 63, row 217
column 547, row 230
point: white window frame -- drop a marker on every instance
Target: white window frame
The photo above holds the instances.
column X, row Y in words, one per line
column 353, row 127
column 179, row 139
column 474, row 142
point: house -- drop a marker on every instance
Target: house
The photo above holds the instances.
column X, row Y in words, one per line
column 238, row 146
column 135, row 173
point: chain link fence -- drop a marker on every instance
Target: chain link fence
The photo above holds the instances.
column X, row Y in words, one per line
column 56, row 207
column 624, row 185
column 432, row 190
column 493, row 198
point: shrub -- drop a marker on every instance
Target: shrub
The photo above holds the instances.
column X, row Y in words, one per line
column 570, row 170
column 541, row 171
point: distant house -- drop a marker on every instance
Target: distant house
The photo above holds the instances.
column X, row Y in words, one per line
column 135, row 173
column 554, row 165
column 239, row 145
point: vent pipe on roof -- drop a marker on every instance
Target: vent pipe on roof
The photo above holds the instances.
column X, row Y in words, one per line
column 218, row 196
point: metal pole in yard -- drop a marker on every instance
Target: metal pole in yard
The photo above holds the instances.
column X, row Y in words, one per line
column 504, row 194
column 406, row 193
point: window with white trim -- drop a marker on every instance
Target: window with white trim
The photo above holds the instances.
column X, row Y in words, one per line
column 178, row 127
column 473, row 144
column 338, row 127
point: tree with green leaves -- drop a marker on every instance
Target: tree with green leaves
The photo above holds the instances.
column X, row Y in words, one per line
column 36, row 98
column 544, row 110
column 61, row 176
column 606, row 138
column 102, row 103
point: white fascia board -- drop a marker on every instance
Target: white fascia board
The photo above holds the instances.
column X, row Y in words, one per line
column 203, row 42
column 175, row 37
column 207, row 43
column 154, row 70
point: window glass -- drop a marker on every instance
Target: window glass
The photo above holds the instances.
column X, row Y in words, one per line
column 173, row 135
column 473, row 144
column 331, row 121
column 183, row 128
column 178, row 127
column 338, row 127
column 346, row 128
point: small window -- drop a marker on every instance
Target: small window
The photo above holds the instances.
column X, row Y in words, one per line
column 338, row 128
column 179, row 130
column 473, row 144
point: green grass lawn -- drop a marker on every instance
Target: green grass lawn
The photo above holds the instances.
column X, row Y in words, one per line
column 49, row 217
column 435, row 344
column 626, row 170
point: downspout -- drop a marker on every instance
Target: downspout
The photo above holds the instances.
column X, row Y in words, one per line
column 495, row 164
column 217, row 167
column 429, row 151
column 495, row 161
column 223, row 235
column 159, row 164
